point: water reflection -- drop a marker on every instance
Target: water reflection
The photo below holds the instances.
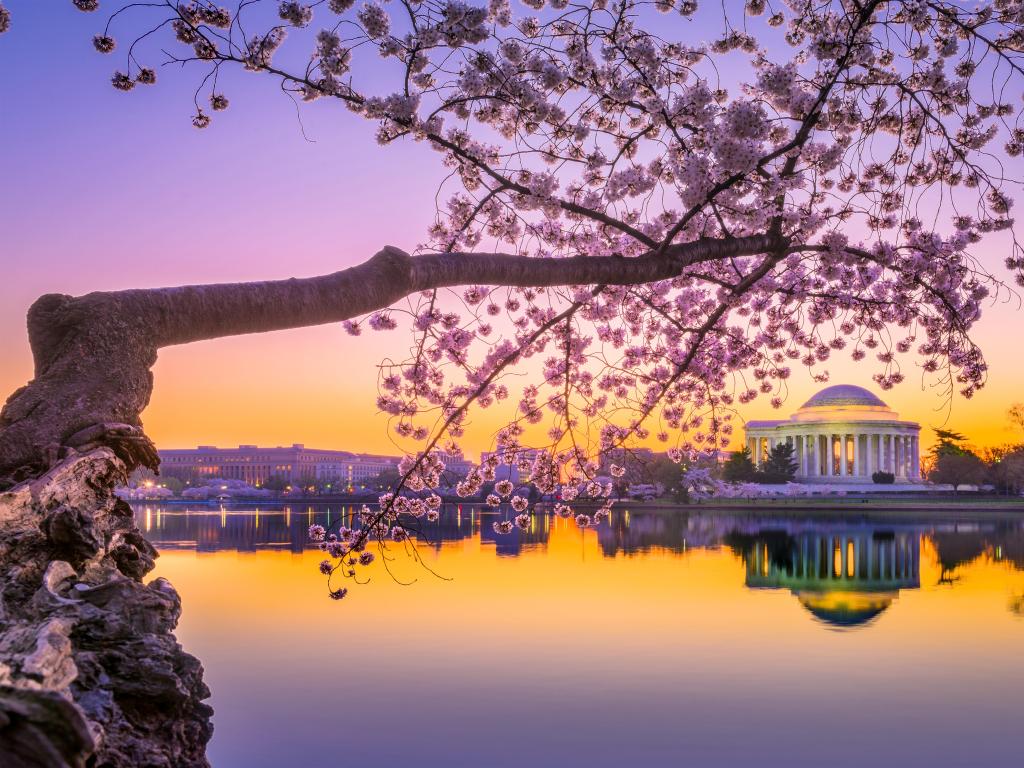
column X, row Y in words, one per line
column 844, row 573
column 845, row 576
column 962, row 544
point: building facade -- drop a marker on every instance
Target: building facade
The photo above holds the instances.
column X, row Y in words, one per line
column 252, row 464
column 844, row 434
column 508, row 463
column 456, row 466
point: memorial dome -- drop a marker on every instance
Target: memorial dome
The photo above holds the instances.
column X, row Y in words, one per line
column 843, row 402
column 844, row 395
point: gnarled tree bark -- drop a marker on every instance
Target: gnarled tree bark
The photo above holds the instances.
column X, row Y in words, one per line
column 93, row 353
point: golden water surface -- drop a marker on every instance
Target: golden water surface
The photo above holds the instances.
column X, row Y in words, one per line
column 666, row 638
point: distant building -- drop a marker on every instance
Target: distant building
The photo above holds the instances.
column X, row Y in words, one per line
column 842, row 435
column 361, row 468
column 635, row 461
column 456, row 466
column 255, row 465
column 508, row 462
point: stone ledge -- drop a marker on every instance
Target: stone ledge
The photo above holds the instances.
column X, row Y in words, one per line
column 90, row 672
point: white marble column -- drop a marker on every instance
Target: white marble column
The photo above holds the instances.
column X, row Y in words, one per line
column 869, row 468
column 856, row 454
column 890, row 459
column 917, row 457
column 843, row 466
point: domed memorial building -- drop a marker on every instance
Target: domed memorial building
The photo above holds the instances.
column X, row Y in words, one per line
column 843, row 434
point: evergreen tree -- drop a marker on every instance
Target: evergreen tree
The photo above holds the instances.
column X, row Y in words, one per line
column 950, row 444
column 780, row 466
column 739, row 467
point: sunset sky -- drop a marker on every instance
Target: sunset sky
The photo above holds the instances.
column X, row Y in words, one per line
column 105, row 190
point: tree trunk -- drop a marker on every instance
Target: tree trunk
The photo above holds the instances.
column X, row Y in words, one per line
column 90, row 670
column 93, row 353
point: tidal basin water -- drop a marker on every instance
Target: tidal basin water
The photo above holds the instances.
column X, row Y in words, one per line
column 656, row 639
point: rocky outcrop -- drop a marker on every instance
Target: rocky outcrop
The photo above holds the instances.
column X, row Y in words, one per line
column 90, row 671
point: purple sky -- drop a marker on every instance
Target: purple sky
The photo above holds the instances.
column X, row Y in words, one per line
column 103, row 190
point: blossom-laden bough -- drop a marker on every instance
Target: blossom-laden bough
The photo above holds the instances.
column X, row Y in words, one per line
column 653, row 228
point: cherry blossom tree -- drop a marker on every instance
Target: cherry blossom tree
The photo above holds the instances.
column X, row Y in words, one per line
column 656, row 210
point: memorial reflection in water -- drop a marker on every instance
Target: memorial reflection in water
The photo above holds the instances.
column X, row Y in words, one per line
column 845, row 574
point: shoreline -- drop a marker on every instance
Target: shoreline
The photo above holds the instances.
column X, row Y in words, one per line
column 887, row 507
